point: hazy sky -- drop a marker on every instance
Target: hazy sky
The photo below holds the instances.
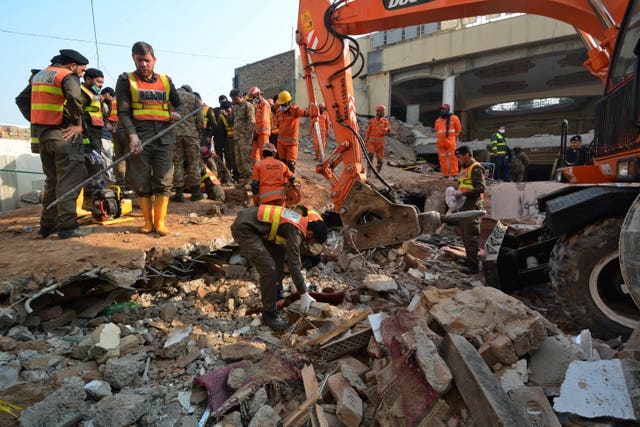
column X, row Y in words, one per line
column 196, row 42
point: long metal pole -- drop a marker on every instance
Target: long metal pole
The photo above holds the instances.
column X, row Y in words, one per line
column 121, row 159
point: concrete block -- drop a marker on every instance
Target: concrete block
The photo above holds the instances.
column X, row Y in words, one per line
column 349, row 405
column 63, row 407
column 488, row 403
column 379, row 283
column 548, row 365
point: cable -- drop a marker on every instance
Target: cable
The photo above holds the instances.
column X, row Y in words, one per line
column 95, row 35
column 2, row 30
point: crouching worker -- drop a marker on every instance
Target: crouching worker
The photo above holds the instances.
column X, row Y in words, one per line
column 209, row 182
column 268, row 235
column 270, row 178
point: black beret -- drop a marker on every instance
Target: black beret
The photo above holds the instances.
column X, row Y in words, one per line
column 576, row 138
column 108, row 90
column 73, row 56
column 56, row 59
column 93, row 73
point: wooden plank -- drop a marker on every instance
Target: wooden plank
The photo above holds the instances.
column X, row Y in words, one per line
column 355, row 317
column 310, row 382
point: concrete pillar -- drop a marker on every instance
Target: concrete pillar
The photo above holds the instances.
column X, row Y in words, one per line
column 449, row 91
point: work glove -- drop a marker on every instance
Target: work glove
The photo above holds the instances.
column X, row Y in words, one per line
column 95, row 158
column 305, row 302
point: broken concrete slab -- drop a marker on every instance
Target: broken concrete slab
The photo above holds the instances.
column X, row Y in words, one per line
column 435, row 370
column 548, row 365
column 535, row 405
column 120, row 409
column 122, row 371
column 514, row 376
column 379, row 283
column 242, row 350
column 349, row 405
column 97, row 390
column 603, row 388
column 487, row 401
column 63, row 407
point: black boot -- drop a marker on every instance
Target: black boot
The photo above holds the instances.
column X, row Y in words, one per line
column 462, row 261
column 271, row 320
column 70, row 233
column 196, row 194
column 178, row 197
column 471, row 268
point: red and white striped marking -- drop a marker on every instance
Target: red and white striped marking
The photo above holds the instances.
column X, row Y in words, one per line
column 312, row 39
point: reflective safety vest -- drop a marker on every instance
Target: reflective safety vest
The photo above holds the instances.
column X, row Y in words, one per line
column 150, row 100
column 205, row 115
column 113, row 114
column 499, row 144
column 227, row 127
column 377, row 129
column 47, row 98
column 277, row 215
column 94, row 108
column 208, row 174
column 465, row 178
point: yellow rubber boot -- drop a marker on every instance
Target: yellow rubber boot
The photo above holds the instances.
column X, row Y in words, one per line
column 80, row 212
column 146, row 205
column 160, row 205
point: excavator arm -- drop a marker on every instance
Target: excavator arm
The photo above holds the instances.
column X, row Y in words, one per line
column 328, row 53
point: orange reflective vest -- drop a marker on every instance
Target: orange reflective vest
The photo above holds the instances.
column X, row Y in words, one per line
column 150, row 100
column 263, row 117
column 113, row 114
column 377, row 129
column 289, row 123
column 47, row 98
column 272, row 176
column 453, row 130
column 208, row 174
column 276, row 215
column 94, row 108
column 465, row 178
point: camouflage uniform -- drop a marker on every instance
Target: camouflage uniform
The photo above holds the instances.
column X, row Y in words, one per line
column 187, row 148
column 518, row 165
column 244, row 122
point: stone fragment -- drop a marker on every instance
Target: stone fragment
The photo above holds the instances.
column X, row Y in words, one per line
column 120, row 409
column 232, row 419
column 122, row 371
column 257, row 401
column 243, row 350
column 435, row 370
column 503, row 350
column 9, row 373
column 357, row 366
column 548, row 365
column 192, row 354
column 87, row 371
column 106, row 342
column 168, row 312
column 514, row 376
column 43, row 362
column 7, row 343
column 129, row 344
column 349, row 405
column 176, row 342
column 535, row 406
column 20, row 333
column 97, row 390
column 265, row 417
column 63, row 407
column 379, row 283
column 236, row 378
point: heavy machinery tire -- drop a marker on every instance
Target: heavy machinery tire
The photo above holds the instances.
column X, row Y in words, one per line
column 585, row 274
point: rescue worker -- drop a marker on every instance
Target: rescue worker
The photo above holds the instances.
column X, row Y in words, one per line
column 576, row 154
column 501, row 154
column 270, row 177
column 288, row 119
column 56, row 122
column 93, row 120
column 374, row 137
column 186, row 153
column 209, row 182
column 223, row 136
column 244, row 122
column 120, row 142
column 143, row 108
column 324, row 124
column 268, row 235
column 518, row 166
column 447, row 127
column 263, row 122
column 471, row 186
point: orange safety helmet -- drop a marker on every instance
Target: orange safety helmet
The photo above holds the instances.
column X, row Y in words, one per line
column 254, row 91
column 381, row 108
column 321, row 106
column 270, row 101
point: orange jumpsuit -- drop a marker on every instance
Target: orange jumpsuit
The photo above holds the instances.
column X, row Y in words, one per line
column 288, row 124
column 262, row 129
column 447, row 144
column 325, row 125
column 374, row 138
column 272, row 176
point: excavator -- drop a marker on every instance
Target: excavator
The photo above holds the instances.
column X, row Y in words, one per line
column 588, row 246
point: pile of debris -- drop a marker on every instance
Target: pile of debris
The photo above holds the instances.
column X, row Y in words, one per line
column 396, row 337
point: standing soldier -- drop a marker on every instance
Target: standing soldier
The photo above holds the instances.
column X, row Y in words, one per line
column 288, row 126
column 143, row 108
column 209, row 123
column 186, row 154
column 519, row 164
column 263, row 122
column 501, row 154
column 269, row 236
column 244, row 122
column 223, row 137
column 270, row 178
column 374, row 138
column 447, row 128
column 56, row 123
column 471, row 186
column 324, row 124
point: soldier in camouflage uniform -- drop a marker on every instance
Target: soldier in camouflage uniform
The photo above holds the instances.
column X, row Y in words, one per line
column 518, row 165
column 244, row 122
column 186, row 156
